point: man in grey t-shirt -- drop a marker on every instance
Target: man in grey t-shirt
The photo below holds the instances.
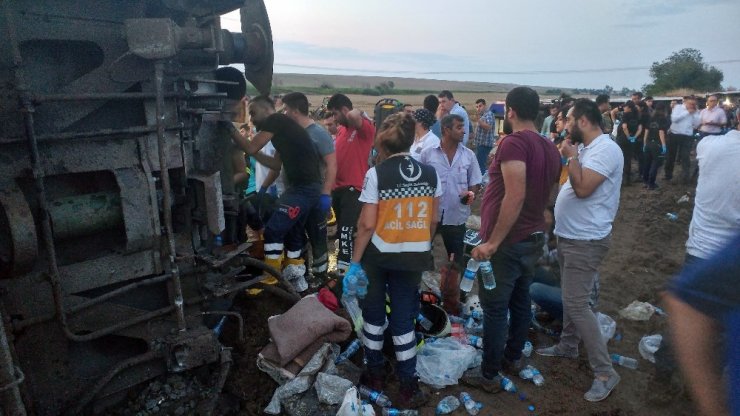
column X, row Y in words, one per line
column 296, row 107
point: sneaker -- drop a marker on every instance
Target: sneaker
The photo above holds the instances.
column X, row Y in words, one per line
column 555, row 351
column 475, row 378
column 600, row 389
column 411, row 396
column 373, row 379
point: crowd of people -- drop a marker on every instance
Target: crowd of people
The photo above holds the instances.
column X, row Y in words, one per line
column 552, row 184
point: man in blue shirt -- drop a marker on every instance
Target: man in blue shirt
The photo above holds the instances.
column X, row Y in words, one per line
column 459, row 176
column 448, row 105
column 485, row 132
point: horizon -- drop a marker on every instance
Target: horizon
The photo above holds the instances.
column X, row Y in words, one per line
column 611, row 46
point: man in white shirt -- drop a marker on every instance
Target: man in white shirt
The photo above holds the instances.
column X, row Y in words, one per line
column 459, row 174
column 716, row 217
column 584, row 212
column 684, row 120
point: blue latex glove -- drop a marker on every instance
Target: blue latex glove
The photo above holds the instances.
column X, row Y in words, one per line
column 324, row 203
column 632, row 139
column 663, row 149
column 349, row 282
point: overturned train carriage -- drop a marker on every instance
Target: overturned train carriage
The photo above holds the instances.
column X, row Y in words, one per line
column 111, row 189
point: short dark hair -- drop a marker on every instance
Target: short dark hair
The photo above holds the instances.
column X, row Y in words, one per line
column 407, row 105
column 337, row 101
column 525, row 102
column 649, row 97
column 298, row 101
column 601, row 99
column 480, row 101
column 583, row 107
column 448, row 121
column 446, row 94
column 396, row 133
column 263, row 100
column 638, row 94
column 431, row 103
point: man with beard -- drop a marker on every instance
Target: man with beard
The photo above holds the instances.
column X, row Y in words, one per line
column 296, row 153
column 584, row 212
column 523, row 174
column 354, row 141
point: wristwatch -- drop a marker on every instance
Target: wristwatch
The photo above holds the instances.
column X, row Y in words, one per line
column 567, row 161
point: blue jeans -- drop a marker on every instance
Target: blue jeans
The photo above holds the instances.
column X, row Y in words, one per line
column 481, row 153
column 513, row 267
column 403, row 290
column 285, row 228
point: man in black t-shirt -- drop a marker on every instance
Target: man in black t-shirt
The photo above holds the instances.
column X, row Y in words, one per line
column 296, row 153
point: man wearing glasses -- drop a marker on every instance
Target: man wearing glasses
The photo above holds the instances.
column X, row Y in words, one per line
column 713, row 118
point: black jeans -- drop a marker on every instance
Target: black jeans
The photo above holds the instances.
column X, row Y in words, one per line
column 629, row 151
column 452, row 236
column 347, row 207
column 679, row 147
column 653, row 161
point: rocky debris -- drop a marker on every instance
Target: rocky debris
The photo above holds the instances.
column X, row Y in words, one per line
column 174, row 394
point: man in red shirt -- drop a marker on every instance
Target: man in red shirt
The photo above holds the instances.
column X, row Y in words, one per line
column 354, row 141
column 523, row 175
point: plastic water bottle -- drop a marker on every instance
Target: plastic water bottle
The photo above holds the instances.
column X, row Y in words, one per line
column 218, row 241
column 527, row 350
column 389, row 411
column 475, row 314
column 362, row 282
column 447, row 405
column 672, row 216
column 624, row 361
column 353, row 309
column 219, row 326
column 507, row 384
column 352, row 348
column 373, row 396
column 471, row 406
column 531, row 373
column 475, row 341
column 486, row 272
column 466, row 283
column 424, row 322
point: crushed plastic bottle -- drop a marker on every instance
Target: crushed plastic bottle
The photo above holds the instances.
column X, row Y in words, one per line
column 375, row 397
column 486, row 272
column 466, row 283
column 447, row 405
column 624, row 361
column 527, row 350
column 471, row 406
column 475, row 341
column 389, row 411
column 507, row 384
column 352, row 348
column 531, row 373
column 672, row 216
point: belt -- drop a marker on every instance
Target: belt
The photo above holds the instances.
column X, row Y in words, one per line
column 534, row 237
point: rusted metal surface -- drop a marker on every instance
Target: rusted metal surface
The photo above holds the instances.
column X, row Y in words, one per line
column 111, row 191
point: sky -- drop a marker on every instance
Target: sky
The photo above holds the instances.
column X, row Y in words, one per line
column 563, row 43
